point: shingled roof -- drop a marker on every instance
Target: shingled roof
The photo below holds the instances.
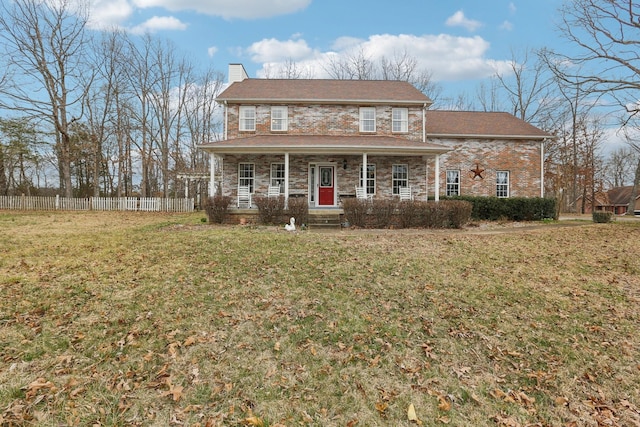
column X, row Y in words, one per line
column 479, row 124
column 374, row 144
column 324, row 91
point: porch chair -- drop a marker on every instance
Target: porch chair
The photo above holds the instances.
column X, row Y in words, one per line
column 361, row 193
column 274, row 191
column 405, row 193
column 244, row 196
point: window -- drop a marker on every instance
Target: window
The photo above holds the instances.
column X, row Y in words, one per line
column 279, row 119
column 453, row 183
column 400, row 120
column 248, row 118
column 367, row 119
column 502, row 184
column 277, row 175
column 246, row 174
column 400, row 177
column 371, row 179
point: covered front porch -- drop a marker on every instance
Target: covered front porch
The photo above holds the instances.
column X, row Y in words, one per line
column 324, row 170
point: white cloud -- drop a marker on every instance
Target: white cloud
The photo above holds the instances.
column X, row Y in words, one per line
column 459, row 20
column 229, row 9
column 159, row 23
column 272, row 50
column 108, row 13
column 506, row 25
column 512, row 8
column 447, row 57
column 212, row 51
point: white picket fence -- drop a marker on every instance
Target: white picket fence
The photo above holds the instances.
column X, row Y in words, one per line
column 147, row 204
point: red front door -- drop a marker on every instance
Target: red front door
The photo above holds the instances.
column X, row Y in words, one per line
column 326, row 189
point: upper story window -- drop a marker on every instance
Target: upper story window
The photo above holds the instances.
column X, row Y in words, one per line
column 248, row 118
column 400, row 120
column 453, row 182
column 279, row 119
column 367, row 119
column 502, row 183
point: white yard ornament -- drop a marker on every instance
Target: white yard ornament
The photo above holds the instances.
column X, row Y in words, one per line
column 291, row 226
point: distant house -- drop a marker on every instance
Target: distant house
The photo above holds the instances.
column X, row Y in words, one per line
column 316, row 138
column 617, row 201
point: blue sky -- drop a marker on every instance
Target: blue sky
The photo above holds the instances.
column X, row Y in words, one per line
column 460, row 42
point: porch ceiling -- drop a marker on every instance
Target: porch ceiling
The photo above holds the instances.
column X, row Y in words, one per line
column 323, row 144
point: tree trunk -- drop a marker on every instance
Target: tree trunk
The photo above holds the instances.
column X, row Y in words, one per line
column 634, row 190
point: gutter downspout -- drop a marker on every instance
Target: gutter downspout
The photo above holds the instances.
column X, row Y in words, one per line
column 424, row 122
column 226, row 119
column 542, row 168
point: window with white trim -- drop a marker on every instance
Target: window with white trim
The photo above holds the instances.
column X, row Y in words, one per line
column 453, row 183
column 279, row 119
column 246, row 175
column 502, row 183
column 400, row 177
column 371, row 178
column 277, row 175
column 400, row 120
column 248, row 118
column 367, row 119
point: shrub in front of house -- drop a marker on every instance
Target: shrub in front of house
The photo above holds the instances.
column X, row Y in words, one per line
column 270, row 209
column 602, row 216
column 298, row 208
column 458, row 213
column 408, row 213
column 355, row 211
column 511, row 208
column 382, row 212
column 217, row 208
column 443, row 214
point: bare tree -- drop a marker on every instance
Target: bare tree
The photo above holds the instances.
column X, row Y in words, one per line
column 606, row 33
column 528, row 87
column 358, row 66
column 620, row 167
column 44, row 50
column 289, row 70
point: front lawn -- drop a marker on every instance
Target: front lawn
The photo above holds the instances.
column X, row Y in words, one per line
column 148, row 319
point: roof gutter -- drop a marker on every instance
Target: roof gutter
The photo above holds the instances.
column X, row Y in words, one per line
column 483, row 136
column 319, row 101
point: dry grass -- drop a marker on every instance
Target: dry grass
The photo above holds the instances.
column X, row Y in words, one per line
column 137, row 319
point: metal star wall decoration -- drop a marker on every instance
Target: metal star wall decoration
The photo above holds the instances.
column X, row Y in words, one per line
column 477, row 172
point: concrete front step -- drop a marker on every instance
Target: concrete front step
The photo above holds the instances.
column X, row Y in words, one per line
column 324, row 221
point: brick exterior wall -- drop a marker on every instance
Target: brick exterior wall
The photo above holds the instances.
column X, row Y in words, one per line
column 324, row 120
column 520, row 158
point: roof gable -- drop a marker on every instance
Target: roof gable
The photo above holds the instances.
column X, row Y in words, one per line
column 324, row 91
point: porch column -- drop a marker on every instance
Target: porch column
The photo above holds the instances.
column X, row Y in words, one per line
column 286, row 180
column 437, row 180
column 212, row 178
column 364, row 172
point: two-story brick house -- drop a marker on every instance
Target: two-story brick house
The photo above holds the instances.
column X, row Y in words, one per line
column 314, row 138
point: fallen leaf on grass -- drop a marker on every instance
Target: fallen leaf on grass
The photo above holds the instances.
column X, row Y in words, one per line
column 175, row 391
column 411, row 415
column 253, row 421
column 39, row 384
column 444, row 404
column 382, row 407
